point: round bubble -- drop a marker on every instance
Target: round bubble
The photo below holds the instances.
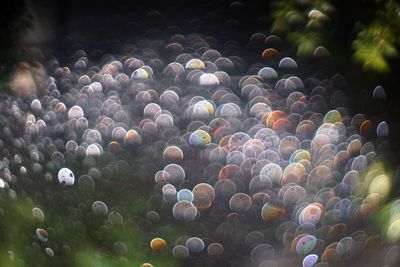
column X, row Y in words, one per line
column 180, row 252
column 158, row 244
column 287, row 63
column 306, row 244
column 202, row 110
column 169, row 192
column 268, row 73
column 140, row 74
column 38, row 214
column 195, row 64
column 75, row 112
column 199, row 138
column 174, row 173
column 272, row 172
column 271, row 212
column 66, row 176
column 86, row 182
column 379, row 93
column 153, row 216
column 392, row 257
column 332, row 116
column 185, row 194
column 180, row 210
column 173, row 153
column 195, row 245
column 383, row 129
column 311, row 214
column 208, row 79
column 215, row 249
column 310, row 260
column 115, row 218
column 132, row 137
column 42, row 234
column 204, row 195
column 94, row 150
column 344, row 246
column 99, row 208
column 240, row 202
column 36, row 105
column 262, row 252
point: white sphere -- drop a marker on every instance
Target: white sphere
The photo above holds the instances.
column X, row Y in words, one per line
column 66, row 176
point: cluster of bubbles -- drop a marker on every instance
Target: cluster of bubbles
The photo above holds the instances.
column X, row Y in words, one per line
column 250, row 157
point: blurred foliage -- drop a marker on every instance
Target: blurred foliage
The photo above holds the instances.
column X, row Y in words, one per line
column 76, row 235
column 308, row 24
column 373, row 46
column 302, row 21
column 377, row 41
